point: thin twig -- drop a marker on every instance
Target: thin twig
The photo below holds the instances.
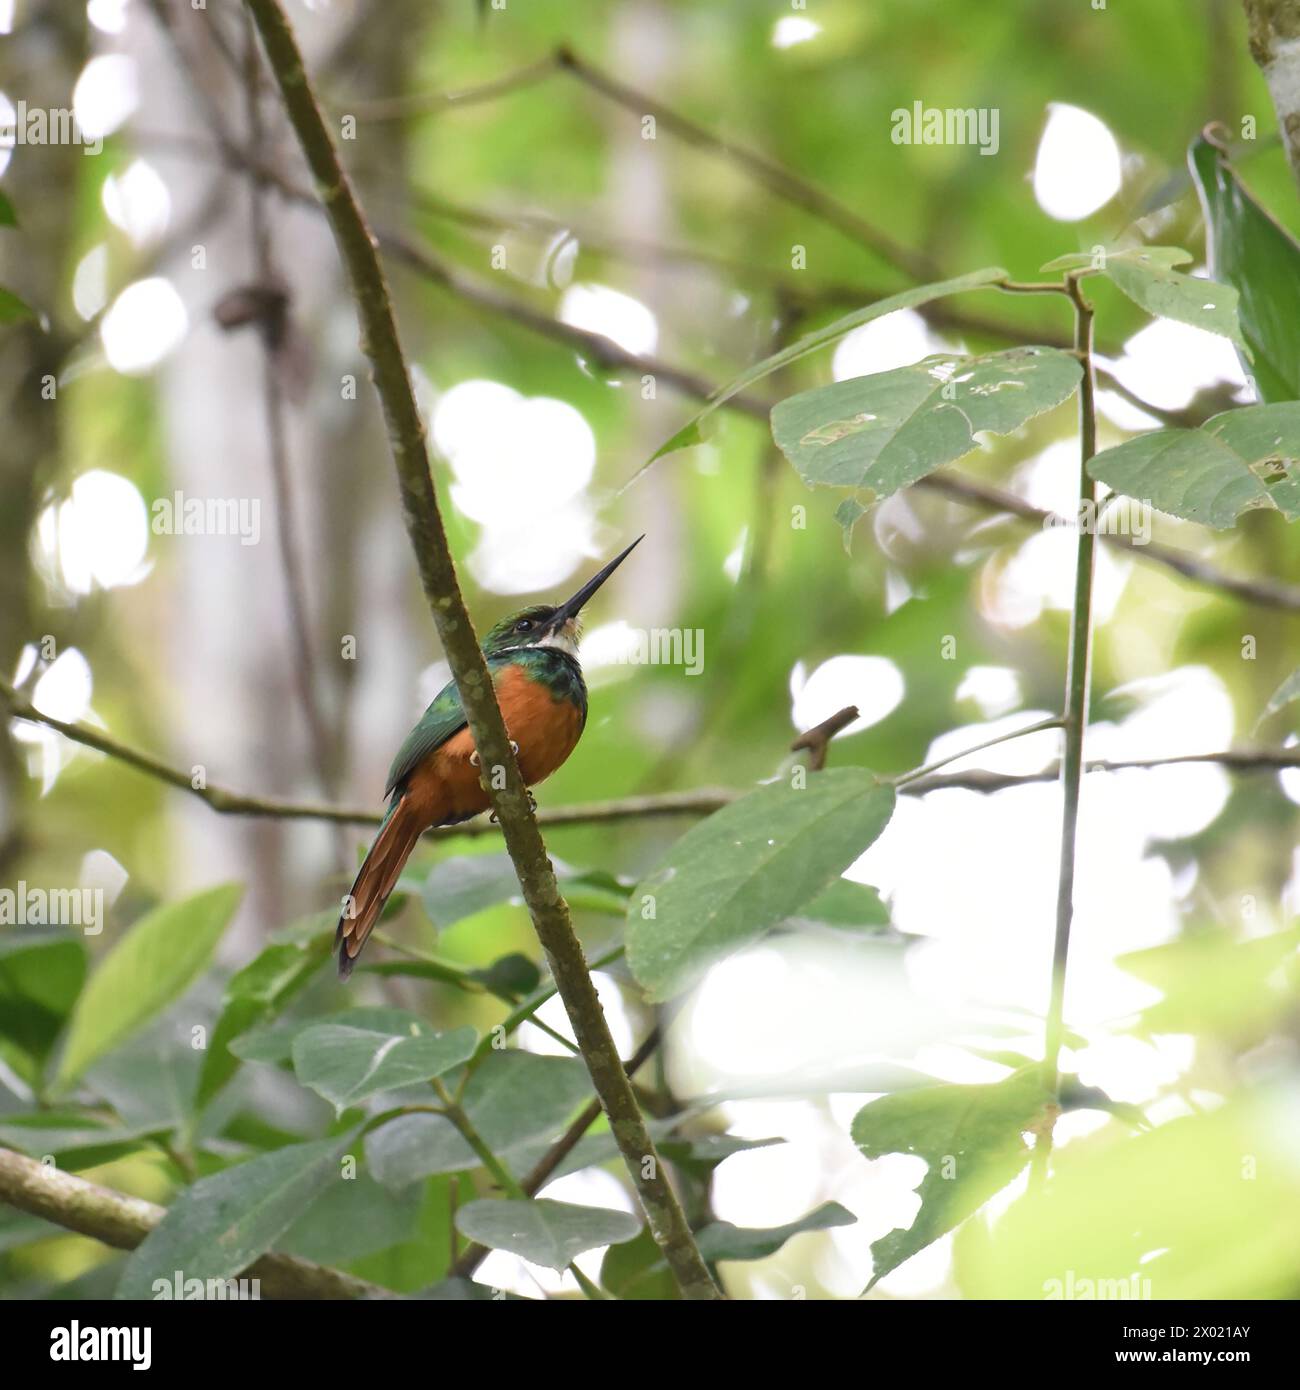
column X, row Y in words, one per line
column 273, row 332
column 779, row 180
column 700, row 801
column 511, row 802
column 817, row 739
column 1078, row 692
column 424, row 103
column 537, row 1176
column 917, row 773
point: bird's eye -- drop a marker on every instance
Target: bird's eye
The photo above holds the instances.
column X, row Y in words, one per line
column 524, row 625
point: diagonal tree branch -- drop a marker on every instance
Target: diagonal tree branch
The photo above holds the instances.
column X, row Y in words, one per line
column 1275, row 47
column 781, row 181
column 123, row 1222
column 550, row 913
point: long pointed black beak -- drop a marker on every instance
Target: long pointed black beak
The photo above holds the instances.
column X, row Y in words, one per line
column 573, row 606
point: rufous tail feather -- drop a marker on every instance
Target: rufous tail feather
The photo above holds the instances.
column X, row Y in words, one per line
column 375, row 880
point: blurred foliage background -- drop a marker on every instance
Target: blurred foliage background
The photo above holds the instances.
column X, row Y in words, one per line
column 190, row 309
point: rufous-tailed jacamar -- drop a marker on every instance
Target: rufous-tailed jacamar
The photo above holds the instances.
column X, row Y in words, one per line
column 436, row 779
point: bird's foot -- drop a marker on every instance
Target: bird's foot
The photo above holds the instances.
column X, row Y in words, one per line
column 532, row 806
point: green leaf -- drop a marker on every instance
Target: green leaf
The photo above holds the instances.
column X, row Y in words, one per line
column 518, row 1102
column 1147, row 275
column 274, row 1043
column 351, row 1220
column 720, row 1240
column 506, row 978
column 150, row 1079
column 701, row 1154
column 41, row 975
column 1205, row 1206
column 460, row 887
column 513, row 975
column 77, row 1140
column 970, row 1136
column 1251, row 252
column 732, row 877
column 223, row 1223
column 879, row 433
column 849, row 512
column 13, row 309
column 1237, row 461
column 253, row 994
column 691, row 432
column 348, row 1065
column 636, row 1269
column 544, row 1232
column 8, row 217
column 855, row 906
column 423, row 1254
column 1286, row 694
column 1216, row 983
column 157, row 960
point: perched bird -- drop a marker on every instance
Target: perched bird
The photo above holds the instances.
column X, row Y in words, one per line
column 435, row 778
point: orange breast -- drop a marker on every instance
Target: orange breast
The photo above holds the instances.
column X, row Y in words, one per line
column 445, row 787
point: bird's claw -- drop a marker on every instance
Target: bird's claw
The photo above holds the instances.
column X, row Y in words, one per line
column 473, row 757
column 532, row 806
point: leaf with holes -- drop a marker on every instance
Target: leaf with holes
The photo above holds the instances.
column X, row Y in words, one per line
column 879, row 433
column 971, row 1138
column 1235, row 462
column 1147, row 275
column 737, row 874
column 692, row 432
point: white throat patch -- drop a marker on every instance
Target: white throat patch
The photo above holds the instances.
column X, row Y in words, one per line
column 564, row 640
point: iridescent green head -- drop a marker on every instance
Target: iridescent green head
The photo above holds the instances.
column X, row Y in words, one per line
column 545, row 626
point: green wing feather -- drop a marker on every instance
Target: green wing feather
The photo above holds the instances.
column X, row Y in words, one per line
column 444, row 717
